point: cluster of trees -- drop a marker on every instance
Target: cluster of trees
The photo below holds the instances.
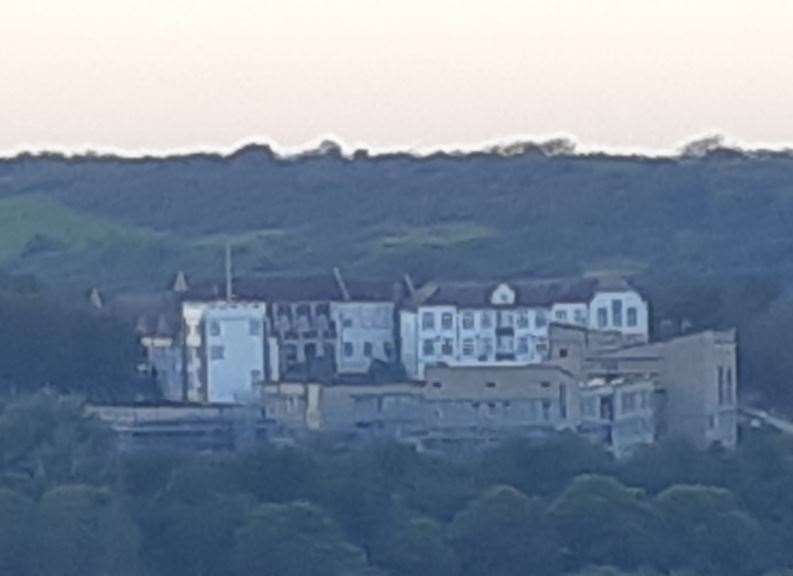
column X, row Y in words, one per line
column 71, row 505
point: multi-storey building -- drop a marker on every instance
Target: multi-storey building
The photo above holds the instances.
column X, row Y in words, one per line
column 469, row 324
column 227, row 350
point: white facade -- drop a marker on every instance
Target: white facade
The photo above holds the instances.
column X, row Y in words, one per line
column 506, row 331
column 624, row 311
column 225, row 345
column 364, row 333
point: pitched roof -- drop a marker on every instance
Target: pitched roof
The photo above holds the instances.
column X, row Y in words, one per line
column 528, row 292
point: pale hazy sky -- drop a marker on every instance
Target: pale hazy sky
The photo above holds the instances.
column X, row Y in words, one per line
column 169, row 74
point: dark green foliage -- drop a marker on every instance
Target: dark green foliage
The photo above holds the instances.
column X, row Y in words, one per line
column 70, row 506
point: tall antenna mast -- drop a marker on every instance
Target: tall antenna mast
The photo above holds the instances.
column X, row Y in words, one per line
column 229, row 293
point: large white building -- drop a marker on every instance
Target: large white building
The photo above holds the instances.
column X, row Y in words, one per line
column 468, row 323
column 226, row 348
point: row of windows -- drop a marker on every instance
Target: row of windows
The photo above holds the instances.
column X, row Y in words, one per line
column 368, row 349
column 632, row 315
column 520, row 346
column 254, row 327
column 521, row 319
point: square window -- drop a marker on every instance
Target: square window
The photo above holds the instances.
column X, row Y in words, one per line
column 561, row 315
column 427, row 321
column 468, row 347
column 217, row 353
column 468, row 320
column 428, row 347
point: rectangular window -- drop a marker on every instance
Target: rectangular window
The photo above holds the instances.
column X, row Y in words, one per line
column 486, row 320
column 346, row 322
column 562, row 401
column 487, row 346
column 628, row 402
column 523, row 319
column 388, row 350
column 633, row 317
column 561, row 315
column 349, row 349
column 468, row 320
column 217, row 353
column 603, row 317
column 256, row 377
column 540, row 321
column 579, row 316
column 468, row 346
column 214, row 328
column 428, row 347
column 255, row 327
column 616, row 312
column 546, row 410
column 368, row 349
column 427, row 321
column 523, row 345
column 447, row 348
column 447, row 321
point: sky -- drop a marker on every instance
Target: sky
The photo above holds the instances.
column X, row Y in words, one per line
column 168, row 75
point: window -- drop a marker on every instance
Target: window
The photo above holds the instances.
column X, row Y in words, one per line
column 616, row 312
column 468, row 347
column 256, row 377
column 562, row 352
column 603, row 317
column 436, row 384
column 712, row 421
column 562, row 401
column 487, row 346
column 447, row 320
column 255, row 327
column 217, row 352
column 628, row 402
column 468, row 320
column 486, row 320
column 523, row 319
column 447, row 348
column 388, row 350
column 579, row 316
column 490, row 384
column 561, row 315
column 349, row 349
column 368, row 349
column 633, row 317
column 428, row 347
column 540, row 321
column 523, row 345
column 214, row 328
column 546, row 410
column 428, row 321
column 507, row 319
column 346, row 322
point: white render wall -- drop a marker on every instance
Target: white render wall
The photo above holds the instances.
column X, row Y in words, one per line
column 364, row 332
column 611, row 311
column 235, row 350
